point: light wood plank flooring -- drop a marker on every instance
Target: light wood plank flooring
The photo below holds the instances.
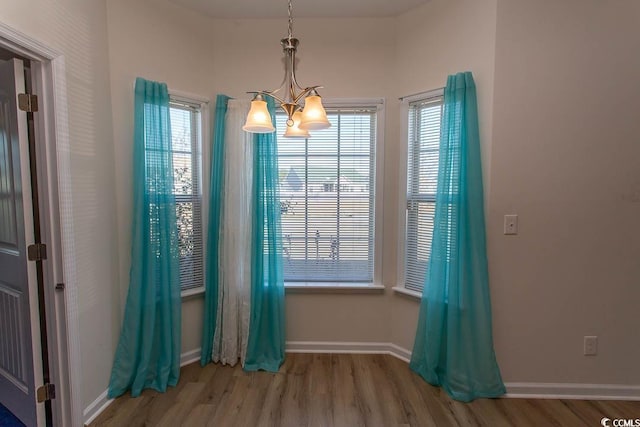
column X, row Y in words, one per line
column 338, row 390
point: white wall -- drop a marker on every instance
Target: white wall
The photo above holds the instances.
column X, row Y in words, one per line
column 562, row 152
column 560, row 141
column 433, row 41
column 566, row 159
column 77, row 29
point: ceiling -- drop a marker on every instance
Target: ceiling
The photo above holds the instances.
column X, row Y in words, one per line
column 255, row 9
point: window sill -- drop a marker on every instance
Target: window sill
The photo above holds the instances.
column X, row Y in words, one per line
column 192, row 293
column 333, row 288
column 404, row 291
column 298, row 287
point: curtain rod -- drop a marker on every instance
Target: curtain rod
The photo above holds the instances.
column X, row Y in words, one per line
column 426, row 94
column 180, row 95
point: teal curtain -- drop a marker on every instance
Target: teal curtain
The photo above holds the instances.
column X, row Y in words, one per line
column 454, row 344
column 265, row 348
column 148, row 353
column 213, row 240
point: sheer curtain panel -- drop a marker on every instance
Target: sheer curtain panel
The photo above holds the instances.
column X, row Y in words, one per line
column 148, row 352
column 234, row 256
column 454, row 344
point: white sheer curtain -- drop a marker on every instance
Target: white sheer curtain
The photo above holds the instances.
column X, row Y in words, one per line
column 234, row 293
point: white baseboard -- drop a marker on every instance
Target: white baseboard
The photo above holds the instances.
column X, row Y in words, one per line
column 348, row 347
column 189, row 357
column 400, row 352
column 95, row 408
column 572, row 391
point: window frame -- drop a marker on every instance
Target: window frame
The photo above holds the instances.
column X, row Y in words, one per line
column 402, row 188
column 202, row 105
column 378, row 182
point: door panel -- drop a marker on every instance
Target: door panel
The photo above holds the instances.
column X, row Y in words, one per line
column 8, row 230
column 17, row 374
column 13, row 355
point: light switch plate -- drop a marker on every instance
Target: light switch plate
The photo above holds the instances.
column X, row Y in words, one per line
column 510, row 224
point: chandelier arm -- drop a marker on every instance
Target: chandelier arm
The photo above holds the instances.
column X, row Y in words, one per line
column 282, row 85
column 289, row 84
column 294, row 81
column 290, row 74
column 306, row 91
column 271, row 94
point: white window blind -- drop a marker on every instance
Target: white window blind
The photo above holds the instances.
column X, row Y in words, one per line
column 185, row 139
column 327, row 199
column 422, row 180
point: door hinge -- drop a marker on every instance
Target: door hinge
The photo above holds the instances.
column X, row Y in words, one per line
column 28, row 102
column 37, row 252
column 46, row 392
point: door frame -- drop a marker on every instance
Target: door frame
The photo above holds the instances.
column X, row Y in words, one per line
column 53, row 147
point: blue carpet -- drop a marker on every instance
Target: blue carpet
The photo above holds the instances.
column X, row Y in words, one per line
column 7, row 419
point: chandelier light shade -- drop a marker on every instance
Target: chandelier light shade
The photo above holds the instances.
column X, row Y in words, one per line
column 294, row 131
column 313, row 116
column 291, row 97
column 258, row 119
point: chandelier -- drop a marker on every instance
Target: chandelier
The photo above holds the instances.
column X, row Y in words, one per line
column 300, row 120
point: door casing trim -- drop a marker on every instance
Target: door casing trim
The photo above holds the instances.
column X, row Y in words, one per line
column 54, row 177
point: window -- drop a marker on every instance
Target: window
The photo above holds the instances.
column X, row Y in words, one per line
column 187, row 159
column 422, row 180
column 327, row 187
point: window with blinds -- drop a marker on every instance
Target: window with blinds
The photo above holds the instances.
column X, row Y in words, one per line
column 187, row 159
column 422, row 180
column 327, row 199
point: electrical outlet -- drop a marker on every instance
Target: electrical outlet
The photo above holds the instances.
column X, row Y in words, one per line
column 510, row 224
column 590, row 345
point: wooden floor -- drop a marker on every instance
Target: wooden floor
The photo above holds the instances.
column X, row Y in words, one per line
column 339, row 390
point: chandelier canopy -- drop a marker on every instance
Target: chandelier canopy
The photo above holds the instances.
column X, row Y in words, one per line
column 300, row 119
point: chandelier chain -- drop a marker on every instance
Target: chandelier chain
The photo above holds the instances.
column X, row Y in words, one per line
column 290, row 21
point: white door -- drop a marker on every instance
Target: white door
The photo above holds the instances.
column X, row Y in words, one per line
column 20, row 372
